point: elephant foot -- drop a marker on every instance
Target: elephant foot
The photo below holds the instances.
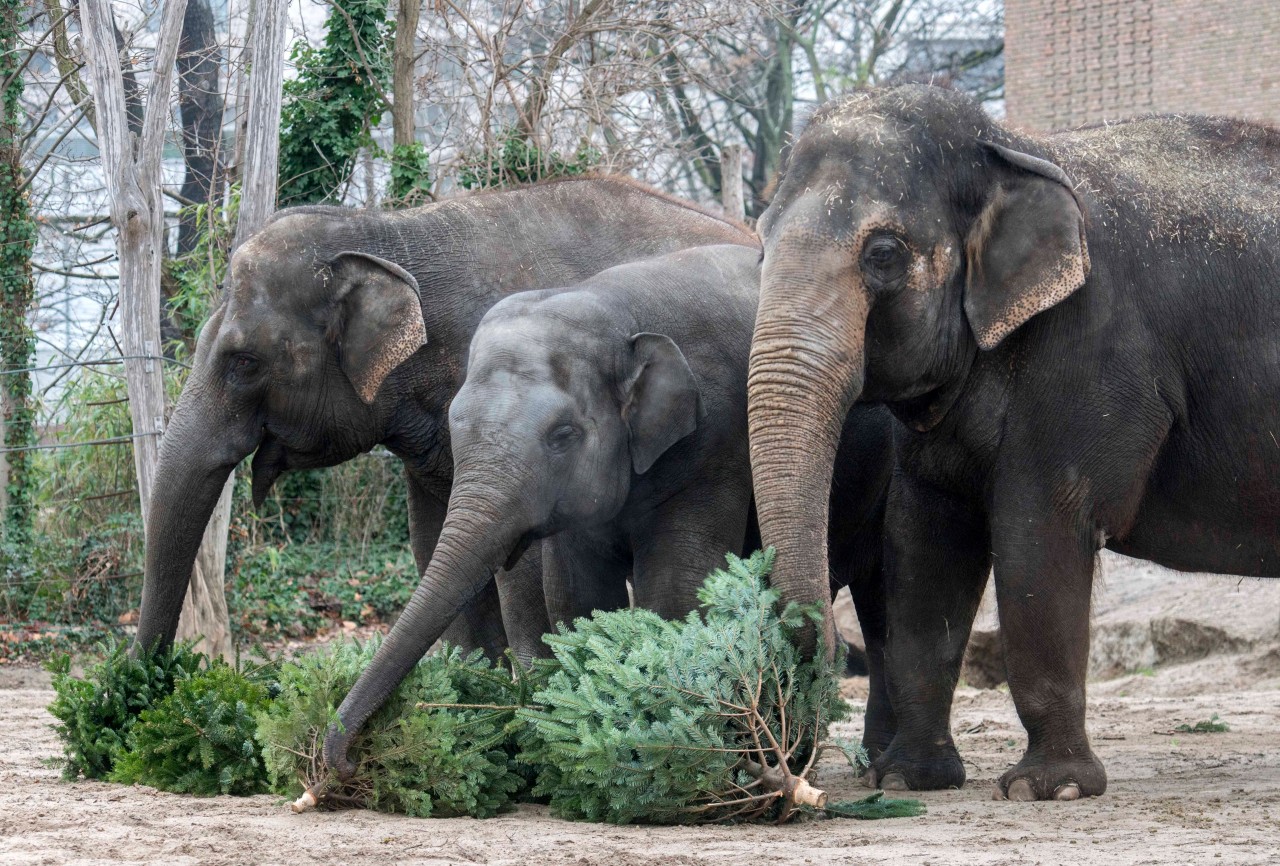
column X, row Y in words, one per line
column 1040, row 777
column 875, row 744
column 902, row 768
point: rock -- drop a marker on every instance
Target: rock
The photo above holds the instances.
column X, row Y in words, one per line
column 984, row 659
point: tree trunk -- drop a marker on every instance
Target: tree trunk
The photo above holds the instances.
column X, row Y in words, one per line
column 402, row 71
column 261, row 144
column 731, row 182
column 131, row 168
column 200, row 103
column 204, row 611
column 17, row 295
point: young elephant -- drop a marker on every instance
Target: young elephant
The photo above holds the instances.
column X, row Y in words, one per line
column 610, row 420
column 1081, row 333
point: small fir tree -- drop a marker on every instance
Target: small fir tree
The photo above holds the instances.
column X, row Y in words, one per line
column 200, row 739
column 96, row 713
column 714, row 718
column 436, row 748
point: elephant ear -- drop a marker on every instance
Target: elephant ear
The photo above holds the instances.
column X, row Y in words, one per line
column 1027, row 249
column 662, row 404
column 378, row 324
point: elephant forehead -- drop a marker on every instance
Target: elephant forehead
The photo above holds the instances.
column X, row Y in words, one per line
column 267, row 265
column 828, row 215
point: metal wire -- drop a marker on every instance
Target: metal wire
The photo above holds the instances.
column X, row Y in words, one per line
column 114, row 440
column 104, row 362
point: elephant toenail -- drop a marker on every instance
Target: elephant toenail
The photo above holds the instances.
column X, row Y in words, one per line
column 997, row 793
column 894, row 782
column 1020, row 790
column 1069, row 791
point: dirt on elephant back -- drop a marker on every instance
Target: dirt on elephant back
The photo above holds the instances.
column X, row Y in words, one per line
column 1174, row 797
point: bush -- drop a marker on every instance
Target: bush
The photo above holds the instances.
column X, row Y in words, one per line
column 199, row 739
column 514, row 161
column 421, row 754
column 96, row 713
column 710, row 719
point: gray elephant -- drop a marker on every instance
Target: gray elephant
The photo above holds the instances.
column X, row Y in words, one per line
column 609, row 420
column 1081, row 334
column 343, row 329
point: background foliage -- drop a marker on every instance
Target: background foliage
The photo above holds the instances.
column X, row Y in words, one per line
column 335, row 98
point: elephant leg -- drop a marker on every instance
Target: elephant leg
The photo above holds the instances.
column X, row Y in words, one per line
column 479, row 624
column 1044, row 580
column 580, row 575
column 677, row 545
column 524, row 606
column 937, row 560
column 859, row 564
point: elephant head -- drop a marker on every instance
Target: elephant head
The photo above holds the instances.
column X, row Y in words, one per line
column 288, row 365
column 560, row 410
column 908, row 232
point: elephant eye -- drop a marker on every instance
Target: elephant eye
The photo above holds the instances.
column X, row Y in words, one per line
column 884, row 253
column 243, row 365
column 562, row 437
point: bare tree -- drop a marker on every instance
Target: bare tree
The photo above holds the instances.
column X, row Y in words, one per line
column 132, row 171
column 402, row 78
column 204, row 610
column 662, row 87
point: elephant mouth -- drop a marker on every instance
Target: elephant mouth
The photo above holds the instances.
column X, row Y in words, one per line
column 269, row 463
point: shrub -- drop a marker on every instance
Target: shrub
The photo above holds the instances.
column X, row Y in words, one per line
column 514, row 161
column 199, row 739
column 96, row 713
column 713, row 718
column 421, row 754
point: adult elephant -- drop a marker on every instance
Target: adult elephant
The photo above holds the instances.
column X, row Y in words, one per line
column 609, row 420
column 1081, row 333
column 341, row 329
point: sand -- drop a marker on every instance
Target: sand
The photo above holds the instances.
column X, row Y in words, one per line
column 1173, row 798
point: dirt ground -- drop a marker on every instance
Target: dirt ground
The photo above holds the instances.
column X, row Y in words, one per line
column 1173, row 798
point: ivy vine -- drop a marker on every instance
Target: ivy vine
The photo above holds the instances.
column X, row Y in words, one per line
column 17, row 291
column 337, row 96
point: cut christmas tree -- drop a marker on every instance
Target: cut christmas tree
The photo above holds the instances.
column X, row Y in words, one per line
column 713, row 718
column 430, row 751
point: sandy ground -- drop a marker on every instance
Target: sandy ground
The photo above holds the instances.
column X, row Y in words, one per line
column 1173, row 798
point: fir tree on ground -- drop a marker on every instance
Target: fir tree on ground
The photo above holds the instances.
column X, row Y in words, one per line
column 95, row 713
column 199, row 739
column 429, row 751
column 714, row 718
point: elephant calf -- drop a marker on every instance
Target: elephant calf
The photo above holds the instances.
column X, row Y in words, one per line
column 610, row 420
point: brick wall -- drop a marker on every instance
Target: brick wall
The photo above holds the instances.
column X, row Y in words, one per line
column 1069, row 62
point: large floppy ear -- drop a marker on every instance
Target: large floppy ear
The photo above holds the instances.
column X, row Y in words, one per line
column 378, row 323
column 1026, row 251
column 662, row 404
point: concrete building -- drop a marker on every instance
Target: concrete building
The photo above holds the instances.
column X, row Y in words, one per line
column 1069, row 62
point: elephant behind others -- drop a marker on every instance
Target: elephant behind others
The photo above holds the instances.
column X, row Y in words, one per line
column 609, row 420
column 342, row 329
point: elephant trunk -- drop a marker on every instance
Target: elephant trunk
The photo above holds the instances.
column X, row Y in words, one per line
column 196, row 456
column 477, row 537
column 806, row 370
